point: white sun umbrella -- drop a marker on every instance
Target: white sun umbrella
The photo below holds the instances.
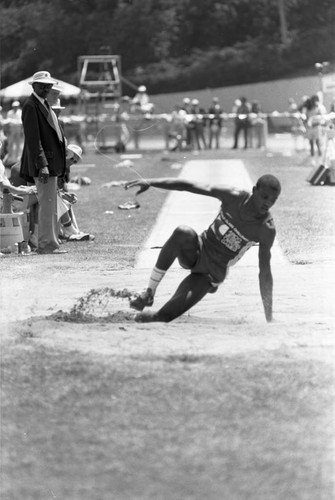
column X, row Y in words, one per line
column 23, row 89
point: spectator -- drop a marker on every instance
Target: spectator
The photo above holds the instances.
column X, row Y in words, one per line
column 69, row 229
column 3, row 137
column 292, row 106
column 236, row 105
column 198, row 125
column 24, row 199
column 14, row 134
column 242, row 122
column 141, row 101
column 258, row 125
column 54, row 95
column 121, row 118
column 297, row 121
column 315, row 119
column 58, row 108
column 189, row 124
column 177, row 132
column 17, row 190
column 43, row 158
column 215, row 123
column 71, row 125
column 304, row 104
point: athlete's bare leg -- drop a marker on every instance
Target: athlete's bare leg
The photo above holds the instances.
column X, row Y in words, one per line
column 183, row 245
column 190, row 291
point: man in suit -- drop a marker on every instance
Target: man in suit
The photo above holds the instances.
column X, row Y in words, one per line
column 43, row 158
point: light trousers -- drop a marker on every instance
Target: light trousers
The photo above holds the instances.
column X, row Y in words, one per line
column 47, row 214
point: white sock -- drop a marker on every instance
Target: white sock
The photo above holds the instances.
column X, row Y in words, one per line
column 156, row 277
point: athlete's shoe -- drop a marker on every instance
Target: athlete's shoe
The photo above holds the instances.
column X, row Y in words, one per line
column 146, row 317
column 142, row 300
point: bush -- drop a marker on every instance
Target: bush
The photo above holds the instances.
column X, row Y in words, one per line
column 248, row 62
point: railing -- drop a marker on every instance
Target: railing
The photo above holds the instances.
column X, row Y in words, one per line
column 156, row 131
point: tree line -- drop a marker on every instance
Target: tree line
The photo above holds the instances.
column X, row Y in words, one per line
column 168, row 45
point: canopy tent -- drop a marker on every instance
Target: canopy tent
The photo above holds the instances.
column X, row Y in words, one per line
column 24, row 89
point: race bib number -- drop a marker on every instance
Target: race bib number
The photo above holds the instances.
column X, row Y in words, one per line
column 229, row 238
column 232, row 241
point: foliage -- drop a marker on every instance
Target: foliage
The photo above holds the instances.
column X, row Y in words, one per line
column 167, row 44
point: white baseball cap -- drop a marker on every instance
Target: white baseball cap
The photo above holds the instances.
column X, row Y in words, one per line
column 74, row 148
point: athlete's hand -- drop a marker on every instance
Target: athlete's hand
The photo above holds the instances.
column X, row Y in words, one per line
column 143, row 184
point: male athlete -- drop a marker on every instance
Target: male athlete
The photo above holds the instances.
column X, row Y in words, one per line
column 244, row 220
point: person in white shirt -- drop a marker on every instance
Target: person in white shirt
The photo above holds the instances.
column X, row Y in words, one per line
column 14, row 134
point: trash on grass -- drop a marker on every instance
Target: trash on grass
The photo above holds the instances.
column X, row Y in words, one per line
column 114, row 184
column 82, row 181
column 124, row 163
column 135, row 156
column 129, row 205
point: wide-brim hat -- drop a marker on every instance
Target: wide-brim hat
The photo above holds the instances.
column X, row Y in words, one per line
column 75, row 149
column 42, row 77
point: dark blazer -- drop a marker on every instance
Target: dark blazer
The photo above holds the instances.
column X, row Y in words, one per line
column 42, row 147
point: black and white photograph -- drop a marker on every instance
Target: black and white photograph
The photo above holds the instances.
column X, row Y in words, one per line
column 167, row 250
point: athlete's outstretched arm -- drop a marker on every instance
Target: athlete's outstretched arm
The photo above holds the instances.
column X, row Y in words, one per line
column 265, row 278
column 223, row 193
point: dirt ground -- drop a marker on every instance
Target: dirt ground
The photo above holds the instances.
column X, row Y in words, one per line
column 231, row 320
column 40, row 295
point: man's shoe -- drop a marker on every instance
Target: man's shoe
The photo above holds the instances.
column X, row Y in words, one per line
column 145, row 299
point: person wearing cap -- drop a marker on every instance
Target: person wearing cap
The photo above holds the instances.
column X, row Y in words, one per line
column 43, row 158
column 69, row 229
column 75, row 127
column 141, row 100
column 54, row 95
column 57, row 107
column 14, row 134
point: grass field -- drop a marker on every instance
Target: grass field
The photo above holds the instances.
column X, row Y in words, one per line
column 83, row 423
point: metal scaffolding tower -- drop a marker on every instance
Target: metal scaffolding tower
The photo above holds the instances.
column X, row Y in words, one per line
column 101, row 88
